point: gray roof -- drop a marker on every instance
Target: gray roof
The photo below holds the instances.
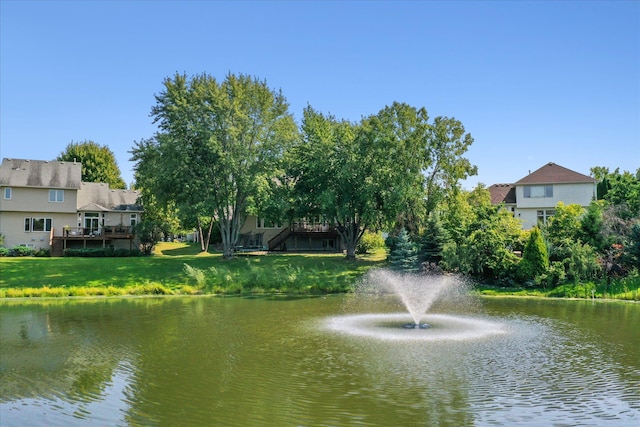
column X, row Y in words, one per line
column 40, row 173
column 97, row 196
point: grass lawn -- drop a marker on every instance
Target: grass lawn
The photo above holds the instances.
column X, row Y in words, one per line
column 165, row 273
column 208, row 273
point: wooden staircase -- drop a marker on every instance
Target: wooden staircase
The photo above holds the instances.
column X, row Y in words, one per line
column 275, row 242
column 57, row 248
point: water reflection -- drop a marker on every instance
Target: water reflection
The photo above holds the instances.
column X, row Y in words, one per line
column 232, row 361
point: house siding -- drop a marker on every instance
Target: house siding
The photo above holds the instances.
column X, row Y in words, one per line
column 25, row 199
column 581, row 193
column 568, row 186
column 12, row 226
column 250, row 228
column 31, row 181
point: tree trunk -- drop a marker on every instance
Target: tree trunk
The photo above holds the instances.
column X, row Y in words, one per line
column 225, row 233
column 204, row 241
column 230, row 231
column 351, row 234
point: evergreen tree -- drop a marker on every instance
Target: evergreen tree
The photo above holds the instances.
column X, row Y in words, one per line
column 592, row 226
column 433, row 239
column 535, row 260
column 404, row 255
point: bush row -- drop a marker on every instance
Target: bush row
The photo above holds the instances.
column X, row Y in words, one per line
column 101, row 252
column 23, row 251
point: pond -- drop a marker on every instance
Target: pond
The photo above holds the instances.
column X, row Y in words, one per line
column 205, row 361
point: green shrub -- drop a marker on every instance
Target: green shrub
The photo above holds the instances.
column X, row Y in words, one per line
column 369, row 242
column 101, row 252
column 42, row 253
column 21, row 251
column 554, row 276
column 120, row 252
column 4, row 252
column 85, row 252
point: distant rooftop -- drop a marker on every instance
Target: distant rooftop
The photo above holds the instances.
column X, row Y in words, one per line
column 502, row 193
column 97, row 196
column 554, row 174
column 40, row 173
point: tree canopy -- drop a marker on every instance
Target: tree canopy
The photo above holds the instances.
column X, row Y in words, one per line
column 359, row 176
column 98, row 162
column 219, row 149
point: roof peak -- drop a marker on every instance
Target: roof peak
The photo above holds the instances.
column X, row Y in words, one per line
column 552, row 173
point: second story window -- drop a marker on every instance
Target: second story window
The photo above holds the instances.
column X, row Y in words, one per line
column 6, row 193
column 534, row 191
column 56, row 195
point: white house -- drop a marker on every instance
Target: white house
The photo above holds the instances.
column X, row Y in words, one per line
column 45, row 205
column 533, row 198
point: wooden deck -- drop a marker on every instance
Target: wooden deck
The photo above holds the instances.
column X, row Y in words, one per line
column 306, row 237
column 80, row 237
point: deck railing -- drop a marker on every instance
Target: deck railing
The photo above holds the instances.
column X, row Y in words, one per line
column 121, row 231
column 311, row 227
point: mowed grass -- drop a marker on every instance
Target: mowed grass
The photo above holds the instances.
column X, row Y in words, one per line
column 165, row 273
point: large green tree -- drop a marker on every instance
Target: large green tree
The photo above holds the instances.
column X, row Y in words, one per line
column 445, row 144
column 98, row 162
column 360, row 176
column 219, row 148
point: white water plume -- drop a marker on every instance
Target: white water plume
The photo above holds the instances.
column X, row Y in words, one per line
column 417, row 292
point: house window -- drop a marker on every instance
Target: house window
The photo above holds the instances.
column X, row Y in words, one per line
column 134, row 220
column 37, row 224
column 6, row 193
column 544, row 215
column 535, row 191
column 265, row 223
column 56, row 195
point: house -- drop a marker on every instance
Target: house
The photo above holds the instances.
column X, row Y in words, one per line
column 533, row 198
column 45, row 205
column 301, row 236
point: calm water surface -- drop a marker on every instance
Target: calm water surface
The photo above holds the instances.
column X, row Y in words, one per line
column 207, row 361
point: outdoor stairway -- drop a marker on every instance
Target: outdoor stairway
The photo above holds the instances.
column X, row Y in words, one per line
column 279, row 238
column 57, row 248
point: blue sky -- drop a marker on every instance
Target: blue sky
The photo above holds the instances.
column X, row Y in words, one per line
column 533, row 82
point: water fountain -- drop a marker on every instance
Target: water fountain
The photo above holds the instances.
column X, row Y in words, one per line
column 416, row 293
